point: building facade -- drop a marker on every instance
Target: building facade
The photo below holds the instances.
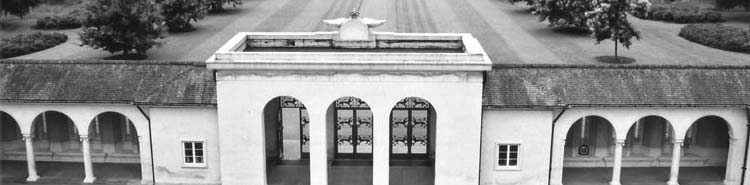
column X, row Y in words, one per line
column 362, row 107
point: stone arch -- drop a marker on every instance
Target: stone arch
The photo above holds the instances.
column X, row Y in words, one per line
column 10, row 133
column 668, row 124
column 113, row 132
column 55, row 131
column 286, row 124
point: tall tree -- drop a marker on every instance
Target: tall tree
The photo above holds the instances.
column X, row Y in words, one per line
column 122, row 25
column 179, row 13
column 18, row 8
column 564, row 13
column 609, row 20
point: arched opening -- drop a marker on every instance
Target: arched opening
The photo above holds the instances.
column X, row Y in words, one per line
column 57, row 147
column 589, row 150
column 114, row 148
column 412, row 144
column 647, row 153
column 350, row 122
column 705, row 151
column 12, row 150
column 287, row 133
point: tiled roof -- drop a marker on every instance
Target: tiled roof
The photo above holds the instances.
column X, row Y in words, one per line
column 511, row 85
column 559, row 85
column 136, row 82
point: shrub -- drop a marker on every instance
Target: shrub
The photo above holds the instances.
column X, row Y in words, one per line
column 17, row 7
column 122, row 25
column 179, row 13
column 678, row 13
column 718, row 36
column 215, row 6
column 528, row 2
column 58, row 22
column 29, row 43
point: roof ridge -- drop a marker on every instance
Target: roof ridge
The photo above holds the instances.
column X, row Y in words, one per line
column 120, row 62
column 629, row 66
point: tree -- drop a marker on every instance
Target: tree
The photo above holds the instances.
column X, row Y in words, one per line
column 528, row 2
column 215, row 6
column 609, row 20
column 179, row 13
column 122, row 25
column 18, row 8
column 729, row 4
column 565, row 13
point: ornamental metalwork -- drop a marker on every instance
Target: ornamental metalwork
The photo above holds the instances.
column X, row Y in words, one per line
column 413, row 103
column 290, row 102
column 351, row 102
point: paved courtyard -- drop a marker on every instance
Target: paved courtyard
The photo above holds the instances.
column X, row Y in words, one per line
column 67, row 173
column 509, row 33
column 644, row 176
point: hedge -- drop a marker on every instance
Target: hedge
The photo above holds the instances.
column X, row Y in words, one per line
column 28, row 43
column 718, row 36
column 679, row 13
column 58, row 22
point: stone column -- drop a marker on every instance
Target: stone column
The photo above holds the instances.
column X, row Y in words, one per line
column 557, row 162
column 87, row 166
column 732, row 169
column 318, row 150
column 618, row 162
column 381, row 148
column 675, row 170
column 31, row 163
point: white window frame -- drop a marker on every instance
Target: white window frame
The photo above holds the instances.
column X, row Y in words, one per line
column 204, row 164
column 518, row 158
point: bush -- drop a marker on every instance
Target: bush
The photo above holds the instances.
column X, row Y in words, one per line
column 29, row 43
column 58, row 22
column 17, row 7
column 179, row 13
column 122, row 25
column 215, row 6
column 718, row 36
column 677, row 13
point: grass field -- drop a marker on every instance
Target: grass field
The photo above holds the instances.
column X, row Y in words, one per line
column 507, row 32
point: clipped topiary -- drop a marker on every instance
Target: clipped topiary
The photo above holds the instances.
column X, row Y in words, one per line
column 718, row 36
column 122, row 26
column 28, row 43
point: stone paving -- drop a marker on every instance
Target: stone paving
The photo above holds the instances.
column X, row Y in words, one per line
column 67, row 173
column 644, row 176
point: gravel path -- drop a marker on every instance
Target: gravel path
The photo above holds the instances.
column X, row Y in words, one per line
column 509, row 33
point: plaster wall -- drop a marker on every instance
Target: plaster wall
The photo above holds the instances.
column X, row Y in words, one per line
column 532, row 129
column 242, row 96
column 171, row 126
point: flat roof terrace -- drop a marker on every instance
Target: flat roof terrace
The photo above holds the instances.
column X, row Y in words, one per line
column 382, row 51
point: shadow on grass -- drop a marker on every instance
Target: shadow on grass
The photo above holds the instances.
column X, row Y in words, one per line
column 228, row 11
column 129, row 56
column 615, row 60
column 572, row 32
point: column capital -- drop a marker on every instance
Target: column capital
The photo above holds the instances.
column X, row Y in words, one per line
column 27, row 137
column 732, row 140
column 680, row 141
column 619, row 141
column 83, row 138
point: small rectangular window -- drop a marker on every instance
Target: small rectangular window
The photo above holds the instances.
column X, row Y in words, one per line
column 507, row 156
column 193, row 155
